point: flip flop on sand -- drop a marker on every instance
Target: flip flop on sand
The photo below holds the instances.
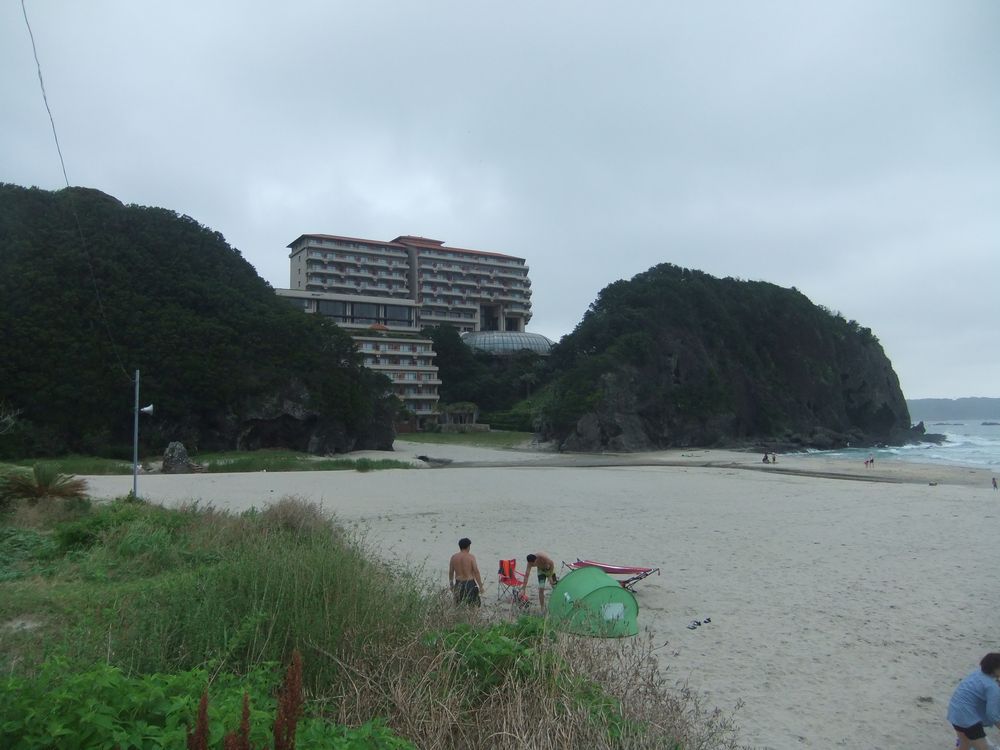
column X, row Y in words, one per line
column 693, row 624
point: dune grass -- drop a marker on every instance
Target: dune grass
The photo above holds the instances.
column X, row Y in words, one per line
column 87, row 465
column 223, row 462
column 218, row 597
column 491, row 439
column 281, row 461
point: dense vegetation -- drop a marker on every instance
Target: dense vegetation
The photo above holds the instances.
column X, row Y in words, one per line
column 500, row 386
column 117, row 618
column 678, row 357
column 91, row 290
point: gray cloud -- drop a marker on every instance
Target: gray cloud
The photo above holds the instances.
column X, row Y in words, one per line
column 846, row 149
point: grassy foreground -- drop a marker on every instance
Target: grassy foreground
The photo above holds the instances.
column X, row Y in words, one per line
column 115, row 619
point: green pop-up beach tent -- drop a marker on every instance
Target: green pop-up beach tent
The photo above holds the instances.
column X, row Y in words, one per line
column 587, row 601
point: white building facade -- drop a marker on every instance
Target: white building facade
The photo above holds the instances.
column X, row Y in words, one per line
column 382, row 293
column 472, row 290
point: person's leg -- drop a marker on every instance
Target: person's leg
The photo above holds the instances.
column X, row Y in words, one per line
column 973, row 737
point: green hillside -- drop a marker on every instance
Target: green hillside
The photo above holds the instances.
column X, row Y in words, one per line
column 91, row 290
column 676, row 357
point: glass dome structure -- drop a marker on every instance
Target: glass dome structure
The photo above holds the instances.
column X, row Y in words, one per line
column 505, row 343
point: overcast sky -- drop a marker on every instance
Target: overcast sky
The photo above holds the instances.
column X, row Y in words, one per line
column 848, row 149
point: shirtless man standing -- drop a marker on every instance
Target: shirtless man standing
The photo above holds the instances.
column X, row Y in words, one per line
column 463, row 575
column 546, row 570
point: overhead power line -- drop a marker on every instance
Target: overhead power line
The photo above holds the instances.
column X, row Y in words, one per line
column 72, row 205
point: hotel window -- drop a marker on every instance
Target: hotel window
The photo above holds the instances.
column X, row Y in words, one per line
column 399, row 314
column 332, row 309
column 365, row 312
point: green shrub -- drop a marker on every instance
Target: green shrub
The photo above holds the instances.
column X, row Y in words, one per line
column 80, row 534
column 372, row 735
column 40, row 482
column 494, row 654
column 66, row 707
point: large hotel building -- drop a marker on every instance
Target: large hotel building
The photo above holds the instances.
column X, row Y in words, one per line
column 384, row 292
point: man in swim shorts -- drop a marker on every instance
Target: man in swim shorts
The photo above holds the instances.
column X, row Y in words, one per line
column 546, row 570
column 463, row 575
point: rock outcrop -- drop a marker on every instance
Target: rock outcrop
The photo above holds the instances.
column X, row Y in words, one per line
column 177, row 461
column 678, row 358
column 285, row 420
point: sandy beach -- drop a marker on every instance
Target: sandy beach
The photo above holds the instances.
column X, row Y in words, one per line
column 845, row 603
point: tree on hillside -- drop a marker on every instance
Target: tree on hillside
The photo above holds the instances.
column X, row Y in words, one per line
column 493, row 383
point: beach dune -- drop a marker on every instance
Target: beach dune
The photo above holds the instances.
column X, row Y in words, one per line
column 845, row 603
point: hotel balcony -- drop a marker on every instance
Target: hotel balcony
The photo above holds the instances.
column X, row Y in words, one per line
column 436, row 266
column 423, row 410
column 422, row 396
column 451, row 316
column 508, row 273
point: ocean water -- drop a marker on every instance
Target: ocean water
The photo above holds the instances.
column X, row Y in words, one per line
column 968, row 443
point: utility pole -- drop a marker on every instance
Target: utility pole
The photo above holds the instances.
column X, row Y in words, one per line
column 135, row 442
column 135, row 438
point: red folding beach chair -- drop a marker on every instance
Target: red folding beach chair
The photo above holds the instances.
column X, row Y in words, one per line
column 509, row 581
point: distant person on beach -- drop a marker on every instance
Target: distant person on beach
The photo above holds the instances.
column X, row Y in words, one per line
column 546, row 570
column 774, row 458
column 994, row 484
column 766, row 459
column 463, row 575
column 976, row 704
